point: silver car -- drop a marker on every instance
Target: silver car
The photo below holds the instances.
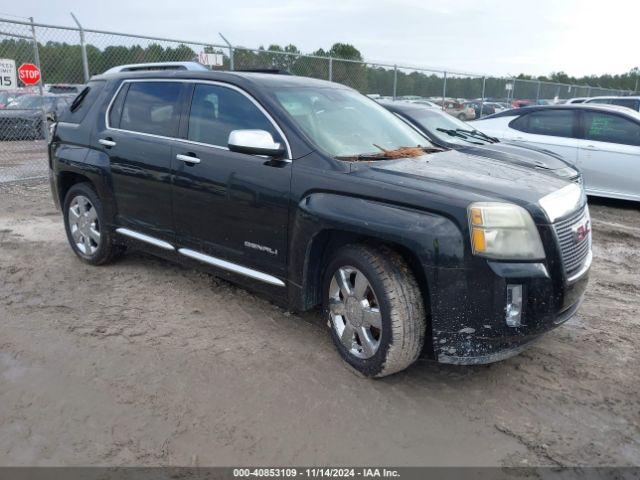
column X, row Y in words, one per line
column 602, row 141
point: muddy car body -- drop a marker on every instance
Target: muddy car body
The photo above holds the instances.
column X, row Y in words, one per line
column 273, row 195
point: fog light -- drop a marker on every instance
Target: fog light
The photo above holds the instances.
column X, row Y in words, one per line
column 513, row 315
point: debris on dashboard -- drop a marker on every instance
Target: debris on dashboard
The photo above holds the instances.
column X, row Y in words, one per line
column 402, row 152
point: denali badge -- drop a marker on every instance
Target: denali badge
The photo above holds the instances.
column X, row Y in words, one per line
column 581, row 231
column 262, row 248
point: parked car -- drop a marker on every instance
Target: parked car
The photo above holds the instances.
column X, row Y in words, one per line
column 498, row 107
column 64, row 88
column 480, row 109
column 602, row 141
column 446, row 131
column 27, row 116
column 457, row 109
column 426, row 103
column 629, row 102
column 8, row 96
column 313, row 194
column 576, row 100
column 522, row 103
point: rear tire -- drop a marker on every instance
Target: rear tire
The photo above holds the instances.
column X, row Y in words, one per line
column 90, row 237
column 374, row 308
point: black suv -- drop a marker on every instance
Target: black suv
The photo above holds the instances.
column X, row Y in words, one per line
column 312, row 194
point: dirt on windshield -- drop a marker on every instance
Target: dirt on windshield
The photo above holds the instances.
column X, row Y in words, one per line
column 402, row 152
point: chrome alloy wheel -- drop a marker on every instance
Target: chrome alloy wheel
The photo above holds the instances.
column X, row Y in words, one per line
column 84, row 225
column 355, row 312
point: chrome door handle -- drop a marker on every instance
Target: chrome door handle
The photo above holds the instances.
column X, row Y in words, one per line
column 107, row 143
column 188, row 158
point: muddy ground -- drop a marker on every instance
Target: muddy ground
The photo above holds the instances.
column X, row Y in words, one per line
column 148, row 363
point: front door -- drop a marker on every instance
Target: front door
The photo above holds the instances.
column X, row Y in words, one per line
column 143, row 117
column 609, row 155
column 550, row 129
column 227, row 205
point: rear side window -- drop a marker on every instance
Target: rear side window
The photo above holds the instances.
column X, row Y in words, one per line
column 82, row 102
column 604, row 127
column 555, row 123
column 151, row 107
column 627, row 102
column 216, row 111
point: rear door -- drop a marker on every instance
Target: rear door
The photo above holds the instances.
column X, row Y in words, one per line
column 142, row 120
column 551, row 129
column 609, row 155
column 228, row 205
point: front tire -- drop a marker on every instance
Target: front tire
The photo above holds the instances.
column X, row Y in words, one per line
column 374, row 308
column 87, row 231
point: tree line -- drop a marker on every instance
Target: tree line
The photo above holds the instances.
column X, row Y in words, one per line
column 62, row 63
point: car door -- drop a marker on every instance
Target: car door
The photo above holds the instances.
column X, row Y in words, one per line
column 609, row 154
column 230, row 206
column 137, row 139
column 552, row 129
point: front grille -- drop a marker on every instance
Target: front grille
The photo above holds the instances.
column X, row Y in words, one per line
column 573, row 253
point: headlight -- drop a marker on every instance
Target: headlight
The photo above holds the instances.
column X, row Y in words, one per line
column 503, row 231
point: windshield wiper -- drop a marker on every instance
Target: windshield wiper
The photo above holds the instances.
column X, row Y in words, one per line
column 478, row 133
column 456, row 133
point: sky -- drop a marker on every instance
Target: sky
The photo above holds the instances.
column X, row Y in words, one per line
column 579, row 37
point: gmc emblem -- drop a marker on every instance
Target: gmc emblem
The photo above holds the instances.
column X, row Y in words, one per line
column 581, row 231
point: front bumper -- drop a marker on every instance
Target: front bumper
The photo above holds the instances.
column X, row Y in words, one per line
column 468, row 309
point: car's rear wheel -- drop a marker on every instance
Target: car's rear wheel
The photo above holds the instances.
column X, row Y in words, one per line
column 374, row 308
column 87, row 231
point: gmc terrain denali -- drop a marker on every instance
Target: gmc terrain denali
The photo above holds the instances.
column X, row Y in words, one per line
column 312, row 194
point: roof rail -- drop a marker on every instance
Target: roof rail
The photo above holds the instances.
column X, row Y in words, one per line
column 141, row 67
column 275, row 71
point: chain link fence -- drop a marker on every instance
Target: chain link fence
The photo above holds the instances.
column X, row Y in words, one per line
column 68, row 56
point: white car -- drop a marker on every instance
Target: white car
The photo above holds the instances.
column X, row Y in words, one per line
column 602, row 141
column 629, row 102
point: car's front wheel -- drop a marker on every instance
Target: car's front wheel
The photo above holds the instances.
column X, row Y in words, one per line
column 375, row 309
column 87, row 231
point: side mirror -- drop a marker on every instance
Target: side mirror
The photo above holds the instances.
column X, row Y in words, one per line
column 254, row 142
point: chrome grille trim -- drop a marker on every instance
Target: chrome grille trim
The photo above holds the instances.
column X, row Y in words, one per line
column 574, row 256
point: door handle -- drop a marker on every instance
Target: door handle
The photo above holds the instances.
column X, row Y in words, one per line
column 188, row 158
column 107, row 143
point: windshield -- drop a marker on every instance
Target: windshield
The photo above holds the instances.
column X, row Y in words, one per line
column 446, row 128
column 29, row 101
column 345, row 123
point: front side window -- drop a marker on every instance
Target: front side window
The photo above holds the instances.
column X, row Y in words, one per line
column 152, row 107
column 216, row 111
column 604, row 127
column 555, row 123
column 345, row 123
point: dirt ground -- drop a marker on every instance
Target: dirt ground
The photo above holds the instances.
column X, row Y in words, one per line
column 148, row 363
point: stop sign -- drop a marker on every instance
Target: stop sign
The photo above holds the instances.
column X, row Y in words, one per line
column 29, row 74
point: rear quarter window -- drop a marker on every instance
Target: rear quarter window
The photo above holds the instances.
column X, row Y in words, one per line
column 81, row 104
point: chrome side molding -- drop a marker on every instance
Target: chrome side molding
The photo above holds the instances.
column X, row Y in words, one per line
column 216, row 262
column 145, row 238
column 232, row 267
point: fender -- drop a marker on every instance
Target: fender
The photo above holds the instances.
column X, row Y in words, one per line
column 89, row 163
column 433, row 239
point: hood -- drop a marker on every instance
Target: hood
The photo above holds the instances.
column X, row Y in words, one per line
column 537, row 158
column 464, row 176
column 19, row 113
